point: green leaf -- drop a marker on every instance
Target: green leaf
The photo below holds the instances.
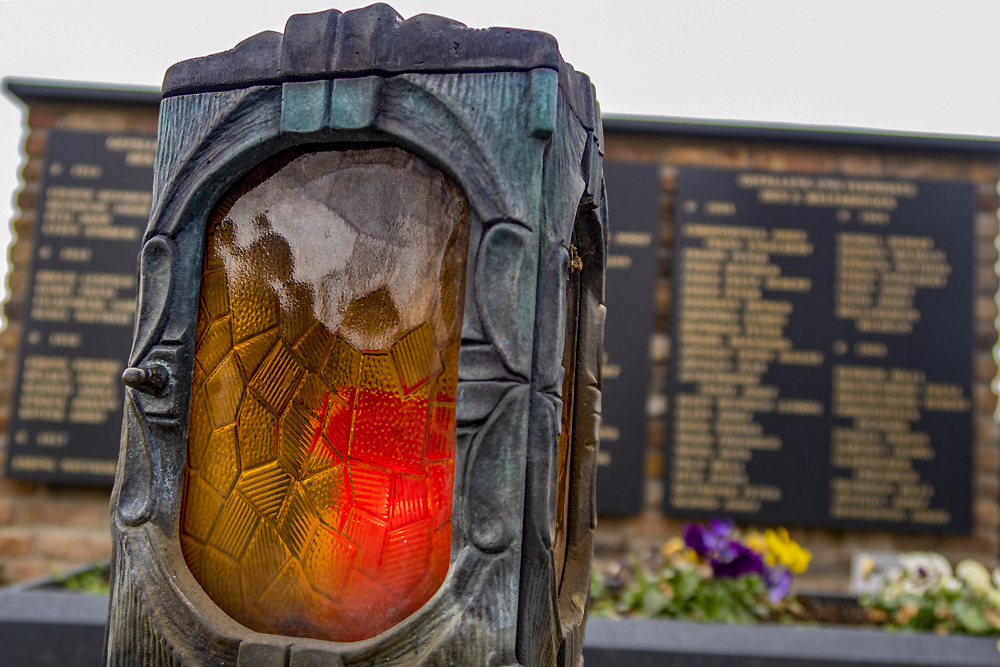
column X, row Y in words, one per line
column 654, row 601
column 971, row 617
column 685, row 584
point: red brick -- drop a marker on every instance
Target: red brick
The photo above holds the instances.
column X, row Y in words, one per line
column 40, row 116
column 984, row 541
column 794, row 160
column 667, row 231
column 921, row 543
column 935, row 169
column 986, row 308
column 34, row 145
column 20, row 252
column 24, row 227
column 98, row 118
column 646, row 526
column 28, row 569
column 988, row 200
column 828, row 561
column 17, row 487
column 987, row 226
column 654, row 464
column 833, row 583
column 984, row 398
column 985, row 334
column 987, row 279
column 10, row 337
column 7, row 363
column 32, row 171
column 864, row 164
column 657, row 433
column 985, row 367
column 95, row 119
column 628, row 149
column 986, row 513
column 17, row 280
column 986, row 430
column 13, row 309
column 48, row 512
column 96, row 496
column 668, row 179
column 74, row 545
column 986, row 172
column 987, row 458
column 662, row 294
column 720, row 155
column 15, row 541
column 987, row 486
column 27, row 199
column 6, row 511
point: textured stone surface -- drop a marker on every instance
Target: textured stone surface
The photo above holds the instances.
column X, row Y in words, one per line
column 371, row 40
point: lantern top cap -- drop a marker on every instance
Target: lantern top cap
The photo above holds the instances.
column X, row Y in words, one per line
column 374, row 40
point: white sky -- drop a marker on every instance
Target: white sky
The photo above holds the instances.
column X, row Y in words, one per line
column 912, row 65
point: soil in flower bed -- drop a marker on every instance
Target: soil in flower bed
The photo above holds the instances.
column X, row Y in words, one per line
column 831, row 609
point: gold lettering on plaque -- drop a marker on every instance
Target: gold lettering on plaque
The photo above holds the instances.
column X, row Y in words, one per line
column 731, row 331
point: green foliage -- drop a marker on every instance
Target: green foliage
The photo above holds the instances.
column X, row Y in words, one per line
column 924, row 594
column 94, row 580
column 675, row 583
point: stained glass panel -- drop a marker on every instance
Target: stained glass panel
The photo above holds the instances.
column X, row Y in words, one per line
column 321, row 452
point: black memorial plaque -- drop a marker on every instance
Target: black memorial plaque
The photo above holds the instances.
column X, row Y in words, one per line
column 822, row 364
column 634, row 201
column 77, row 327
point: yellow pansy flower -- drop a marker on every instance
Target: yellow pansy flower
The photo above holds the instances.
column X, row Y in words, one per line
column 781, row 548
column 672, row 546
column 757, row 543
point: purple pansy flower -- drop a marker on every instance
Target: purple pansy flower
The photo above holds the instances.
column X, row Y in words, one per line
column 742, row 561
column 779, row 583
column 730, row 558
column 713, row 542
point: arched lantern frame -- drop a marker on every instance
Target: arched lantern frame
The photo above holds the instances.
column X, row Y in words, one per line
column 523, row 143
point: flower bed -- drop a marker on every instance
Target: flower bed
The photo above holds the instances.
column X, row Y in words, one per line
column 716, row 574
column 924, row 593
column 42, row 625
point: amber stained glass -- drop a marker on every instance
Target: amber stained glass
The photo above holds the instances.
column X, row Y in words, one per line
column 321, row 452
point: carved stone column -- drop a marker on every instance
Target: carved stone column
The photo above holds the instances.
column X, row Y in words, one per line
column 363, row 402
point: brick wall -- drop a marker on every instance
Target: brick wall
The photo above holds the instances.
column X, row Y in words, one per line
column 831, row 549
column 43, row 527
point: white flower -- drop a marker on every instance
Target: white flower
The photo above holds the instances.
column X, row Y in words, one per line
column 924, row 569
column 951, row 584
column 993, row 597
column 922, row 564
column 975, row 575
column 866, row 566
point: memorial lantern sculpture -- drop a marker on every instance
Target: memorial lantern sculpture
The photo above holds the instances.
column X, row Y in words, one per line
column 361, row 422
